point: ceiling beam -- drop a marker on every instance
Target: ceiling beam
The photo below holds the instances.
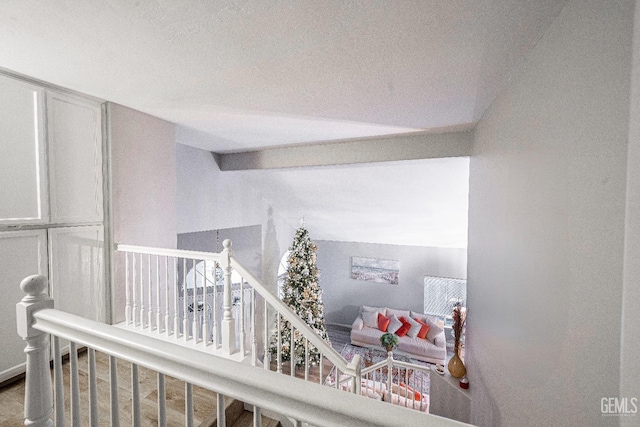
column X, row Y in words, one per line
column 409, row 146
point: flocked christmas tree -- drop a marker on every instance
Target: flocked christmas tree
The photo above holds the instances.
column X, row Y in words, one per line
column 303, row 294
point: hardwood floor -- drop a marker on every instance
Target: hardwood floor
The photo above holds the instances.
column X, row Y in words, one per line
column 12, row 395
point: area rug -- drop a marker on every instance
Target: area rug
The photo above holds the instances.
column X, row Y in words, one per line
column 418, row 378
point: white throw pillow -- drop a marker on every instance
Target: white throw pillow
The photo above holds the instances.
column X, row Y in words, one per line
column 394, row 324
column 434, row 330
column 415, row 328
column 370, row 318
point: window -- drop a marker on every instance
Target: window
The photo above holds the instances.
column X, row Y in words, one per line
column 441, row 294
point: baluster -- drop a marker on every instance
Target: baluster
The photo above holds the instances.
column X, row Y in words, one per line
column 228, row 324
column 205, row 309
column 188, row 405
column 242, row 322
column 306, row 359
column 134, row 290
column 150, row 286
column 254, row 342
column 279, row 344
column 406, row 387
column 162, row 401
column 297, row 423
column 74, row 383
column 113, row 388
column 389, row 373
column 127, row 290
column 93, row 388
column 337, row 377
column 142, row 305
column 257, row 417
column 215, row 307
column 167, row 315
column 292, row 346
column 176, row 299
column 222, row 419
column 185, row 308
column 135, row 395
column 266, row 359
column 321, row 368
column 195, row 322
column 158, row 297
column 59, row 386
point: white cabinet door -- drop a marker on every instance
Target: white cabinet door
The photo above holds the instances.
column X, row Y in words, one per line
column 22, row 253
column 76, row 256
column 23, row 182
column 75, row 159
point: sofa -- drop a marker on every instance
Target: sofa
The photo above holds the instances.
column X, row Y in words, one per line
column 420, row 336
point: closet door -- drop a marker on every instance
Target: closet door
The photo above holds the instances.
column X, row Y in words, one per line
column 76, row 256
column 75, row 159
column 23, row 181
column 22, row 253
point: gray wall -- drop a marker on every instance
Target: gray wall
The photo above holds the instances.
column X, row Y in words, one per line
column 246, row 244
column 546, row 227
column 342, row 295
column 143, row 164
column 630, row 367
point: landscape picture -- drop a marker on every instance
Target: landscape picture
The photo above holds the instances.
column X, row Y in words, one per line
column 375, row 270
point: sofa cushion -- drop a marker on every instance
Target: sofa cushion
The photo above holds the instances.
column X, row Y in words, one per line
column 398, row 313
column 427, row 318
column 415, row 327
column 402, row 331
column 383, row 322
column 424, row 329
column 370, row 319
column 421, row 347
column 368, row 336
column 394, row 324
column 382, row 310
column 434, row 330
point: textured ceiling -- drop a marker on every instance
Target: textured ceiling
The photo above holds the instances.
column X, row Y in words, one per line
column 244, row 74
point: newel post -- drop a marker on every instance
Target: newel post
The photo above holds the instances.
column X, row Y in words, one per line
column 228, row 323
column 38, row 401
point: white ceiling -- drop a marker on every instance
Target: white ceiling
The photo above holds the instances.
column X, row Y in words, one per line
column 244, row 74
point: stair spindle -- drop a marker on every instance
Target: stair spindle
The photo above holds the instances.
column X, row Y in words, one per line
column 162, row 401
column 74, row 384
column 135, row 395
column 93, row 389
column 113, row 388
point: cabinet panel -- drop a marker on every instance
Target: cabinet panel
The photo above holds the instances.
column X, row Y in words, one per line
column 23, row 179
column 75, row 159
column 77, row 270
column 22, row 253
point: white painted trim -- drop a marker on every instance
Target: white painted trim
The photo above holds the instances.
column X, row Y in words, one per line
column 308, row 402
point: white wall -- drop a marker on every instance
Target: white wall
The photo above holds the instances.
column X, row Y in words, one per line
column 546, row 227
column 209, row 199
column 143, row 163
column 630, row 367
column 342, row 295
column 246, row 244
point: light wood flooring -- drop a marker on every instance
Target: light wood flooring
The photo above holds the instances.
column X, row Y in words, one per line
column 12, row 394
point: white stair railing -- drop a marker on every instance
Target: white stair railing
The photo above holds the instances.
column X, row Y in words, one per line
column 302, row 402
column 211, row 298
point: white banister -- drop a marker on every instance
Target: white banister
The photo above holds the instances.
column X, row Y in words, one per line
column 300, row 400
column 228, row 325
column 38, row 402
column 290, row 316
